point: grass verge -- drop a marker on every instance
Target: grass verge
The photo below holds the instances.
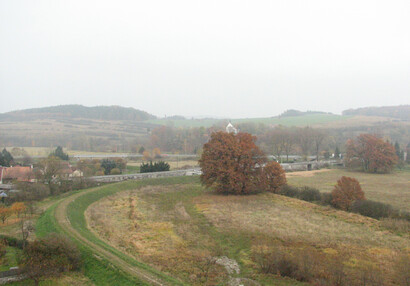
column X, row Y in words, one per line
column 98, row 270
column 76, row 209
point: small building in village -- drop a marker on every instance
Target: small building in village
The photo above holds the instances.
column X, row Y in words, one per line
column 231, row 129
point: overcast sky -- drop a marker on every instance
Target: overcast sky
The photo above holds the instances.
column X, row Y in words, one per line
column 222, row 58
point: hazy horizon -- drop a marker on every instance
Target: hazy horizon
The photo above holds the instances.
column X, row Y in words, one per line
column 227, row 59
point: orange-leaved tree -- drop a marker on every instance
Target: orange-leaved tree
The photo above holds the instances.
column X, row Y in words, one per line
column 5, row 212
column 18, row 208
column 274, row 176
column 346, row 191
column 232, row 163
column 372, row 153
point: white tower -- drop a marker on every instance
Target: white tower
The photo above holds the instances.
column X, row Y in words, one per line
column 231, row 129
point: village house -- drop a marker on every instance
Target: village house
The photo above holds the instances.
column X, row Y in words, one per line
column 17, row 173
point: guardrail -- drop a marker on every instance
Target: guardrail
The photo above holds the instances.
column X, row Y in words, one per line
column 288, row 167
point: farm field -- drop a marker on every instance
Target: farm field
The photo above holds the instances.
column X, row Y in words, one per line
column 177, row 228
column 391, row 188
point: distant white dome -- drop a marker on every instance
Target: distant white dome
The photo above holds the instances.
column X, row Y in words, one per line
column 231, row 129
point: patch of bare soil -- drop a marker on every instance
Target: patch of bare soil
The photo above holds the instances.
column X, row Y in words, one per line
column 305, row 173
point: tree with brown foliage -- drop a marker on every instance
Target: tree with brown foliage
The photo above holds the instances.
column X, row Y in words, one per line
column 232, row 163
column 346, row 191
column 372, row 153
column 49, row 257
column 273, row 176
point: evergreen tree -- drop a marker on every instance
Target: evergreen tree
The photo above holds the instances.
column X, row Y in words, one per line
column 399, row 153
column 59, row 153
column 337, row 153
column 6, row 159
column 108, row 165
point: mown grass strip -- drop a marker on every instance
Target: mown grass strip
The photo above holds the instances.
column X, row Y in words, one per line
column 98, row 270
column 76, row 209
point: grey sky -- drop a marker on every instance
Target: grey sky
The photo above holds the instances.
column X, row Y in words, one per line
column 222, row 58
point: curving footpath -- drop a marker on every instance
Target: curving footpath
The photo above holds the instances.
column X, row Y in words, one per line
column 120, row 263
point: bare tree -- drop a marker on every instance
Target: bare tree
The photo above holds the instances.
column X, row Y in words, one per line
column 48, row 170
column 275, row 141
column 318, row 137
column 288, row 142
column 305, row 140
column 26, row 228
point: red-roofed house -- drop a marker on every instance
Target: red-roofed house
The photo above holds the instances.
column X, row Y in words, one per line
column 17, row 173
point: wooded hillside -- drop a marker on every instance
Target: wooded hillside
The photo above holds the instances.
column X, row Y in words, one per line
column 78, row 111
column 400, row 112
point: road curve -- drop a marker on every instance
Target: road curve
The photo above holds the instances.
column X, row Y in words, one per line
column 65, row 224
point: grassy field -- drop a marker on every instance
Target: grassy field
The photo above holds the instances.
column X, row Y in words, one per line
column 391, row 188
column 10, row 259
column 175, row 228
column 96, row 270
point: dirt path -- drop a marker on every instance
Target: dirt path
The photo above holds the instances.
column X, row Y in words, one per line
column 63, row 221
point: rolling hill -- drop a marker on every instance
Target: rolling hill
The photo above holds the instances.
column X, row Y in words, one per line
column 400, row 112
column 120, row 129
column 78, row 111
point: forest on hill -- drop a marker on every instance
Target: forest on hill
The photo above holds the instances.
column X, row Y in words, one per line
column 78, row 111
column 400, row 112
column 119, row 129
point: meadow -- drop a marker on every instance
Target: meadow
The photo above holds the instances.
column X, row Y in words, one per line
column 178, row 228
column 391, row 188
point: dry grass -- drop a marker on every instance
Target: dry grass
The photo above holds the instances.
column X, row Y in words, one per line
column 392, row 188
column 176, row 228
column 290, row 219
column 159, row 233
column 305, row 174
column 293, row 224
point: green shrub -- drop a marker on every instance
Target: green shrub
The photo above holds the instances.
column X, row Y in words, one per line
column 160, row 166
column 287, row 267
column 11, row 241
column 326, row 199
column 309, row 194
column 372, row 209
column 2, row 249
column 50, row 256
column 115, row 171
column 289, row 191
